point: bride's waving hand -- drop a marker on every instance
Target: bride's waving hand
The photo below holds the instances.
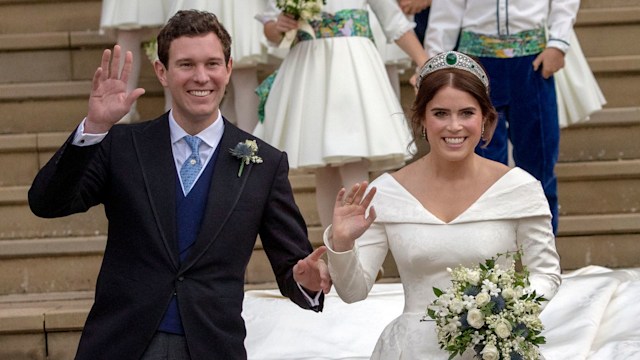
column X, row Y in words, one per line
column 350, row 219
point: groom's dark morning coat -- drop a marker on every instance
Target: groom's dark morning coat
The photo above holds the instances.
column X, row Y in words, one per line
column 132, row 172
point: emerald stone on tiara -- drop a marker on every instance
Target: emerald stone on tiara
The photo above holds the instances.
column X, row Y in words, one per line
column 456, row 60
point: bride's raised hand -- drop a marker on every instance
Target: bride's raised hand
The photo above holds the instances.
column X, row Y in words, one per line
column 349, row 216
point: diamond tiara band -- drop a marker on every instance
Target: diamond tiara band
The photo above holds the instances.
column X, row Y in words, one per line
column 456, row 60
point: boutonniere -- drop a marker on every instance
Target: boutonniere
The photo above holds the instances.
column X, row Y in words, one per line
column 246, row 151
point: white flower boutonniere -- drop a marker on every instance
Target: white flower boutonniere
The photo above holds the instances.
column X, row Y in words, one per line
column 246, row 151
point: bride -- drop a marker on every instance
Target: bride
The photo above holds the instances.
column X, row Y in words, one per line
column 448, row 208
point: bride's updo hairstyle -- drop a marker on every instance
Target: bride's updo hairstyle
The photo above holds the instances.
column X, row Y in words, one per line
column 467, row 76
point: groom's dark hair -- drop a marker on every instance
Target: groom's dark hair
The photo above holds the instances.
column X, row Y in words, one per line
column 191, row 23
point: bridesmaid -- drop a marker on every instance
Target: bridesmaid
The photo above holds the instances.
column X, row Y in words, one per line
column 132, row 22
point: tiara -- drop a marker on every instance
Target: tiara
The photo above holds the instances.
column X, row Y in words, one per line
column 453, row 59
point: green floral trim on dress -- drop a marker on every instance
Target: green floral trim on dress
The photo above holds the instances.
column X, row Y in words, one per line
column 348, row 22
column 263, row 93
column 524, row 43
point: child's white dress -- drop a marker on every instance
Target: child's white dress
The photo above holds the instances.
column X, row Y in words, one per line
column 331, row 102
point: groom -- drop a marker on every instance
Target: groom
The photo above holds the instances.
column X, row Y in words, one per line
column 183, row 214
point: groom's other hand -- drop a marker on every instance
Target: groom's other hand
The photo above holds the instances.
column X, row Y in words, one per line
column 312, row 272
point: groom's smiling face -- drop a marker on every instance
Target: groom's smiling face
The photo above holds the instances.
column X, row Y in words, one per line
column 196, row 76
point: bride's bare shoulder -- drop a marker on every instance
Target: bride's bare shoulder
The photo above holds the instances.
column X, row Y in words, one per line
column 495, row 168
column 406, row 172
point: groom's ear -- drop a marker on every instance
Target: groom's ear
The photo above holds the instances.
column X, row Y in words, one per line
column 229, row 69
column 161, row 72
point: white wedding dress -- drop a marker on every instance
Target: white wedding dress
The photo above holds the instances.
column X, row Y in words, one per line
column 512, row 212
column 593, row 316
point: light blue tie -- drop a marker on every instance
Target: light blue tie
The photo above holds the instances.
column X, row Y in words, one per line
column 192, row 165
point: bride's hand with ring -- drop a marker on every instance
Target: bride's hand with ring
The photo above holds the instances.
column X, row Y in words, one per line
column 349, row 216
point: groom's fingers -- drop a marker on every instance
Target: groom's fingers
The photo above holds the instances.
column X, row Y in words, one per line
column 317, row 253
column 128, row 66
column 325, row 277
column 115, row 63
column 300, row 267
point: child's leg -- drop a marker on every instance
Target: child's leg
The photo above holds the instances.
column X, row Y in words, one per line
column 130, row 40
column 329, row 180
column 244, row 81
column 394, row 78
column 352, row 173
column 227, row 106
column 328, row 183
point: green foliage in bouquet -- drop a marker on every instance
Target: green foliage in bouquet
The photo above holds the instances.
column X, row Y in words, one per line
column 491, row 309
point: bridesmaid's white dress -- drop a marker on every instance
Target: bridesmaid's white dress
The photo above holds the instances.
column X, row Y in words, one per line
column 133, row 14
column 331, row 102
column 237, row 16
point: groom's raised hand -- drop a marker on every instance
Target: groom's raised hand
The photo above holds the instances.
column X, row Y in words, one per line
column 312, row 272
column 109, row 100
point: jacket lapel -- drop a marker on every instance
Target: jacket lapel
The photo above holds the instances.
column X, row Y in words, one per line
column 153, row 147
column 223, row 196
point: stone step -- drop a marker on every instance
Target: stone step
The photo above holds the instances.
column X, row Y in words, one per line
column 43, row 329
column 57, row 56
column 60, row 106
column 618, row 78
column 31, row 16
column 17, row 221
column 599, row 187
column 599, row 4
column 612, row 185
column 611, row 134
column 586, row 190
column 62, row 254
column 606, row 31
column 44, row 265
column 47, row 326
column 611, row 240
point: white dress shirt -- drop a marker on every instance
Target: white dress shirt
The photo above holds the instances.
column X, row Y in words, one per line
column 447, row 18
column 181, row 151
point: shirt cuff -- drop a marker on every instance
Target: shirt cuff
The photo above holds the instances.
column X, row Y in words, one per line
column 313, row 301
column 558, row 44
column 82, row 139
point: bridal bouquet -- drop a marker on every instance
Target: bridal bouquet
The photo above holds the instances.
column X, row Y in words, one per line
column 303, row 11
column 492, row 310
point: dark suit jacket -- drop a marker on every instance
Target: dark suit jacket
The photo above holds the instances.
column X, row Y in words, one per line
column 132, row 173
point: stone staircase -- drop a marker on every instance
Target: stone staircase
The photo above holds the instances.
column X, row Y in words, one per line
column 49, row 50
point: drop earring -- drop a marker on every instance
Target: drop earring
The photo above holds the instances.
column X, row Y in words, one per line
column 424, row 133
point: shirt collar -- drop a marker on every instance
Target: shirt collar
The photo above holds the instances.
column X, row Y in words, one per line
column 211, row 135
